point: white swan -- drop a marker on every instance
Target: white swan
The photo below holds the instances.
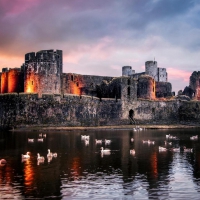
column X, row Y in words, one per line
column 40, row 139
column 26, row 156
column 50, row 154
column 195, row 137
column 132, row 151
column 87, row 142
column 151, row 142
column 107, row 141
column 187, row 150
column 30, row 140
column 167, row 136
column 40, row 158
column 98, row 141
column 104, row 150
column 162, row 148
column 176, row 149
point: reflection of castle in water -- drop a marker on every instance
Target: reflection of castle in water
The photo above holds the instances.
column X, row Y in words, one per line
column 78, row 164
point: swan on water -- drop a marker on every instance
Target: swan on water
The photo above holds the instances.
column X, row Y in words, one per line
column 187, row 149
column 176, row 149
column 132, row 151
column 40, row 158
column 104, row 150
column 162, row 148
column 195, row 137
column 150, row 142
column 26, row 156
column 40, row 140
column 98, row 141
column 107, row 141
column 50, row 154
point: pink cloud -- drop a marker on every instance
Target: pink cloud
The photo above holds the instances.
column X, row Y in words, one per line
column 177, row 73
column 16, row 7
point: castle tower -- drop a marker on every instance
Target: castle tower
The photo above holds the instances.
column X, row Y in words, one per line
column 146, row 87
column 127, row 71
column 15, row 80
column 151, row 69
column 4, row 80
column 42, row 72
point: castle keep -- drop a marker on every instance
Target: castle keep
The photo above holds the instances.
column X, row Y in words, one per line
column 39, row 93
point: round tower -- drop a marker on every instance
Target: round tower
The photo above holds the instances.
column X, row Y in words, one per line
column 42, row 72
column 126, row 71
column 15, row 80
column 4, row 80
column 146, row 87
column 151, row 69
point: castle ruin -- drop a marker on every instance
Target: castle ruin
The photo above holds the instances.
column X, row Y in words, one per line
column 42, row 73
column 39, row 93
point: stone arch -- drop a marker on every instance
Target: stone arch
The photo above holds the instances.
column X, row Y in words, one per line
column 131, row 113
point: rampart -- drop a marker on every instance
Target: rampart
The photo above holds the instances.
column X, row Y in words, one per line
column 24, row 109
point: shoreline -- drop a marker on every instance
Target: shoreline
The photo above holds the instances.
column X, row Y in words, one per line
column 118, row 127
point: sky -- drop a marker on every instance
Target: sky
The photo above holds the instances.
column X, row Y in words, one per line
column 99, row 37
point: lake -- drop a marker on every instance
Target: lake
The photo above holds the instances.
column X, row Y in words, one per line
column 81, row 171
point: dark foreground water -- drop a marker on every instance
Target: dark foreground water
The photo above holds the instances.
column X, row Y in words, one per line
column 81, row 171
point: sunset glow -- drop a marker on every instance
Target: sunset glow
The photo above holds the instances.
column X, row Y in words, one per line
column 93, row 43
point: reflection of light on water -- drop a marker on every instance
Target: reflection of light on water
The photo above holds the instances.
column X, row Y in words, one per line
column 76, row 166
column 7, row 188
column 28, row 175
column 154, row 164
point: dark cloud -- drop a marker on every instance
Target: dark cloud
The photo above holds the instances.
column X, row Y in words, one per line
column 136, row 30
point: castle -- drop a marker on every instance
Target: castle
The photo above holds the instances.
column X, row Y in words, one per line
column 40, row 94
column 42, row 73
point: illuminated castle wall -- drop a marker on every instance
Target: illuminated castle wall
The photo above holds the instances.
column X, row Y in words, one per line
column 42, row 72
column 12, row 80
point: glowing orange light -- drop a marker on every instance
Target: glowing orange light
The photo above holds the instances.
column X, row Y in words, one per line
column 28, row 175
column 4, row 82
column 13, row 80
column 76, row 165
column 154, row 163
column 30, row 83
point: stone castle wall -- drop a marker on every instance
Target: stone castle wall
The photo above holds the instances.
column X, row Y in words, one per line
column 81, row 84
column 42, row 72
column 73, row 110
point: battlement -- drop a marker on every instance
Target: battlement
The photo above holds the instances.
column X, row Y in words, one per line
column 44, row 56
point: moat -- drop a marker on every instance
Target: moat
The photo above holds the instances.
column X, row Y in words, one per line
column 81, row 171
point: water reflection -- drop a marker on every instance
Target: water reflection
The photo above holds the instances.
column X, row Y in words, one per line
column 81, row 170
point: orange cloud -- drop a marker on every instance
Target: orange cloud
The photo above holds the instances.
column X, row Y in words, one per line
column 11, row 62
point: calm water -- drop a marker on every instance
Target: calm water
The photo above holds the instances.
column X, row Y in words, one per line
column 80, row 171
